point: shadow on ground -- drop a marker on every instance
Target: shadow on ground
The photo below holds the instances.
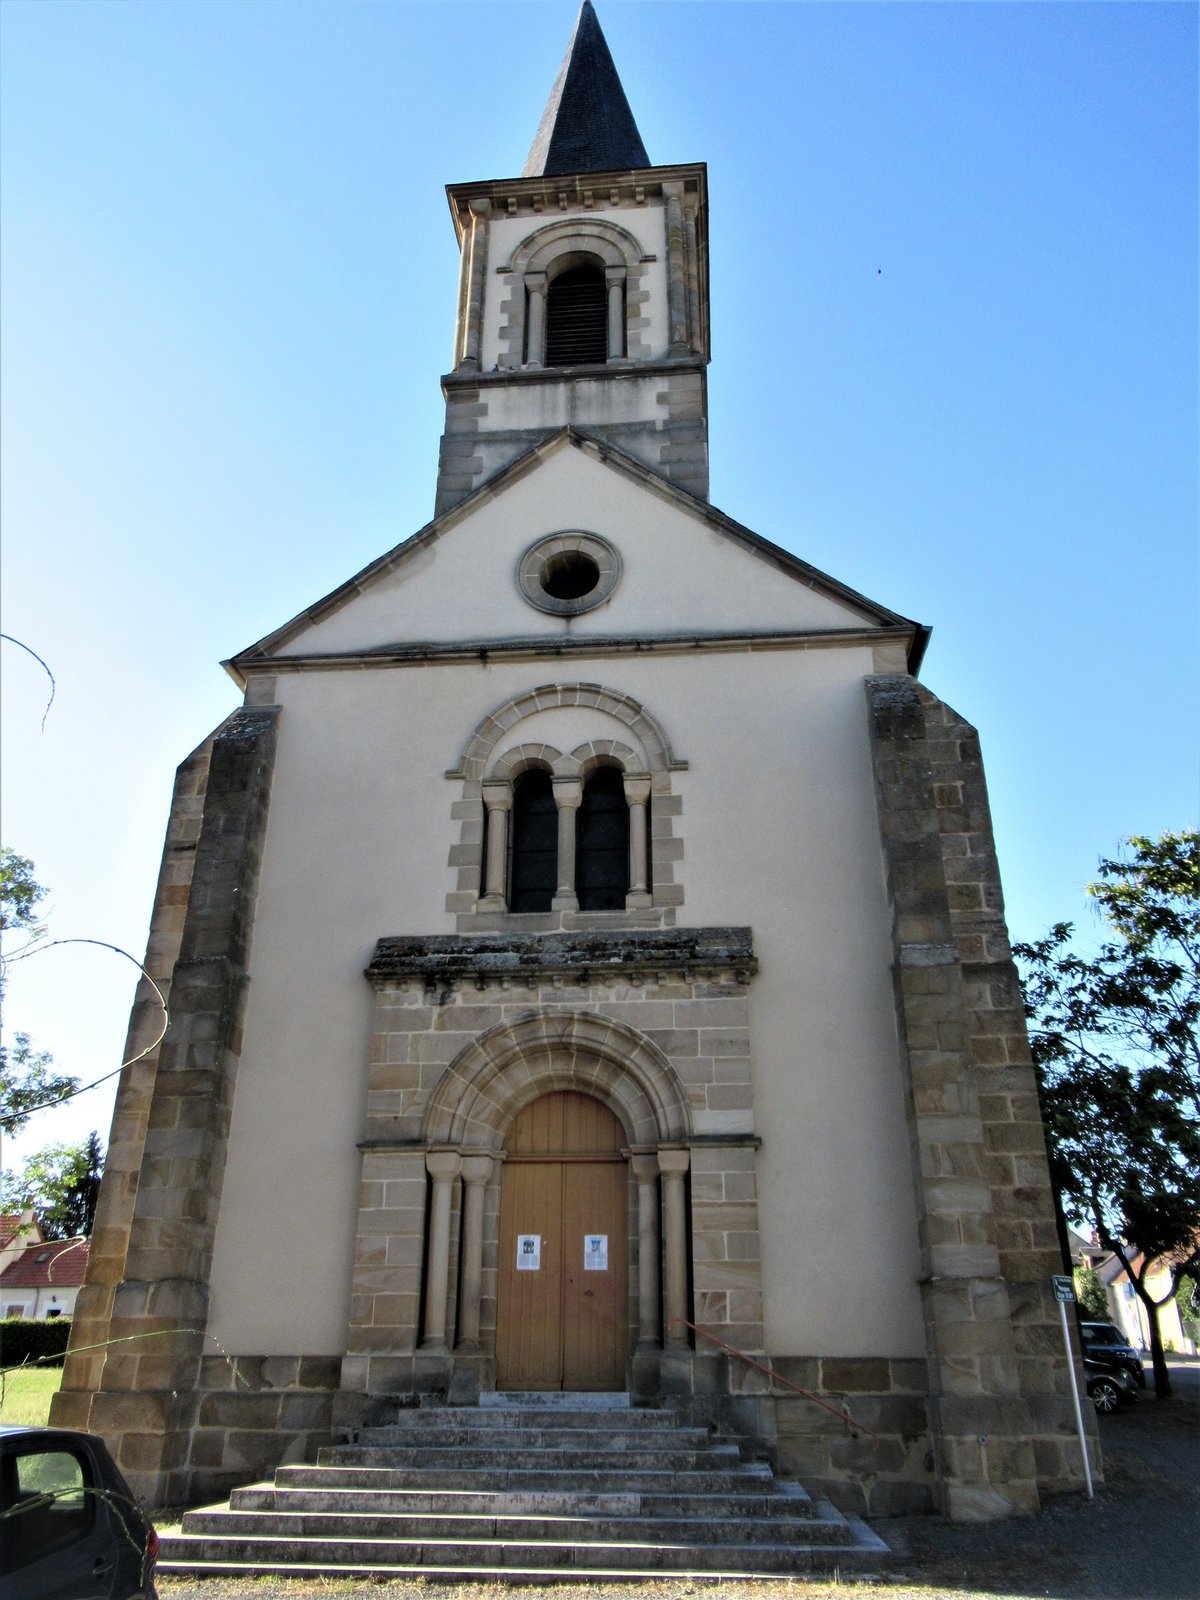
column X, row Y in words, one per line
column 1138, row 1540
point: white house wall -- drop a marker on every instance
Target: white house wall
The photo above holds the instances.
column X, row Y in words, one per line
column 779, row 834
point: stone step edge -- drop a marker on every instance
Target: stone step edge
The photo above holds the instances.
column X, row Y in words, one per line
column 798, row 1527
column 510, row 1575
column 555, row 1400
column 517, row 1438
column 798, row 1507
column 264, row 1551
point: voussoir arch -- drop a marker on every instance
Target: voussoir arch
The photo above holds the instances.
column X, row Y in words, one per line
column 499, row 1073
column 524, row 756
column 615, row 246
column 478, row 751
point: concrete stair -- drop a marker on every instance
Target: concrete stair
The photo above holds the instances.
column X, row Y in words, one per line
column 573, row 1488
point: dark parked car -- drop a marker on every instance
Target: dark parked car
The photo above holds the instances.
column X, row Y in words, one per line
column 69, row 1528
column 1109, row 1387
column 1109, row 1348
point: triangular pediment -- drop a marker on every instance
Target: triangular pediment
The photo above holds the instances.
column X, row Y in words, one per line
column 685, row 571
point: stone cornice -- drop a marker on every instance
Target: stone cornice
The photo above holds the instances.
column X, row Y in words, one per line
column 596, row 372
column 441, row 959
column 586, row 190
column 542, row 647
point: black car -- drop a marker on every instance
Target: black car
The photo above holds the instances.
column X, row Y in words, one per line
column 1109, row 1348
column 69, row 1527
column 1109, row 1387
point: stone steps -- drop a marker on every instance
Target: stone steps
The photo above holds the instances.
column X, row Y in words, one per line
column 521, row 1488
column 459, row 1458
column 309, row 1524
column 333, row 1497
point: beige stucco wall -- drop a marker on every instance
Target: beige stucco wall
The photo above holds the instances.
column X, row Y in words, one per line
column 679, row 573
column 580, row 402
column 779, row 833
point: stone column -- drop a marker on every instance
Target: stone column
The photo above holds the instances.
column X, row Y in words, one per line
column 476, row 1170
column 676, row 272
column 637, row 796
column 693, row 280
column 672, row 1164
column 645, row 1171
column 535, row 334
column 568, row 793
column 443, row 1167
column 615, row 278
column 476, row 279
column 497, row 800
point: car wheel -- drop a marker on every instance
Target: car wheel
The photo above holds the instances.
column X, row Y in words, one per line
column 1106, row 1397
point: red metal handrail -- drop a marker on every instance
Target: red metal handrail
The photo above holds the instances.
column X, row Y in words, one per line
column 843, row 1415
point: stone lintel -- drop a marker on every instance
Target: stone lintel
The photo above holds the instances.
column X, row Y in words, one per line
column 442, row 959
column 593, row 372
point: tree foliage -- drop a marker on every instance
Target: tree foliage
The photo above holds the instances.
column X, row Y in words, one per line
column 20, row 892
column 1091, row 1294
column 62, row 1183
column 27, row 1083
column 1115, row 1041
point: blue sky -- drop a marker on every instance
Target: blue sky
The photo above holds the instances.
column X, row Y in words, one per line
column 954, row 365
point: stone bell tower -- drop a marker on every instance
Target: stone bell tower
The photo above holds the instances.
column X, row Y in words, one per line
column 583, row 293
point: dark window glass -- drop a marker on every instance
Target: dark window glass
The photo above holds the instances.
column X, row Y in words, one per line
column 577, row 318
column 534, row 843
column 602, row 843
column 47, row 1504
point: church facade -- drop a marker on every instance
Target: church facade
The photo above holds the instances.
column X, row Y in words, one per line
column 585, row 954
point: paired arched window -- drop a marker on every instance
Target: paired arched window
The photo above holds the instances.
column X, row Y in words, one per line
column 568, row 845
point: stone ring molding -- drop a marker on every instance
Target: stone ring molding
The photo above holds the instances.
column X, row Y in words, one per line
column 568, row 573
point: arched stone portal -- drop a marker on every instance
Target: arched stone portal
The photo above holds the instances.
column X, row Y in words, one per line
column 469, row 1032
column 479, row 1097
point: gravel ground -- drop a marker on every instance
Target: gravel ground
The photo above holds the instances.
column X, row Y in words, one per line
column 1138, row 1540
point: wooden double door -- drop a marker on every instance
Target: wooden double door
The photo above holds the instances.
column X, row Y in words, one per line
column 563, row 1311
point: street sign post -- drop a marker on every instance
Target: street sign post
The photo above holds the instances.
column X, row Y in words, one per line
column 1064, row 1293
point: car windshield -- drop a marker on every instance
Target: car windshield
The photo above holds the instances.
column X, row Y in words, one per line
column 1104, row 1335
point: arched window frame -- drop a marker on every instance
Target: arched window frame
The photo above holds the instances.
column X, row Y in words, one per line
column 568, row 776
column 553, row 249
column 488, row 761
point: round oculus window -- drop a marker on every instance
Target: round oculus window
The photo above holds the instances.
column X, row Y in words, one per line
column 568, row 573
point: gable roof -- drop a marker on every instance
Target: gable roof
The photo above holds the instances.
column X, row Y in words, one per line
column 48, row 1264
column 270, row 647
column 587, row 125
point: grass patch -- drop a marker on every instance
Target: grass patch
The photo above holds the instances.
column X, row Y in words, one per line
column 26, row 1393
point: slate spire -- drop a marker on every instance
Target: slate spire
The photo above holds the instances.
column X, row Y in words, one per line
column 587, row 125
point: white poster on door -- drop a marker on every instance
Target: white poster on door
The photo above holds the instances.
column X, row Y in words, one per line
column 595, row 1252
column 529, row 1252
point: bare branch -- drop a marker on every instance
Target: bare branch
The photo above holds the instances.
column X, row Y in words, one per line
column 8, row 638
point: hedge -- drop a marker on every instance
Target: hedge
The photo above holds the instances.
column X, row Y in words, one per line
column 24, row 1342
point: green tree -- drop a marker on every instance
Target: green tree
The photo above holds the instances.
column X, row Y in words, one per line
column 62, row 1182
column 27, row 1083
column 20, row 893
column 1187, row 1297
column 1115, row 1041
column 1091, row 1294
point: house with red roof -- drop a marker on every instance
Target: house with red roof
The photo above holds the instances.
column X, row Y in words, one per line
column 43, row 1277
